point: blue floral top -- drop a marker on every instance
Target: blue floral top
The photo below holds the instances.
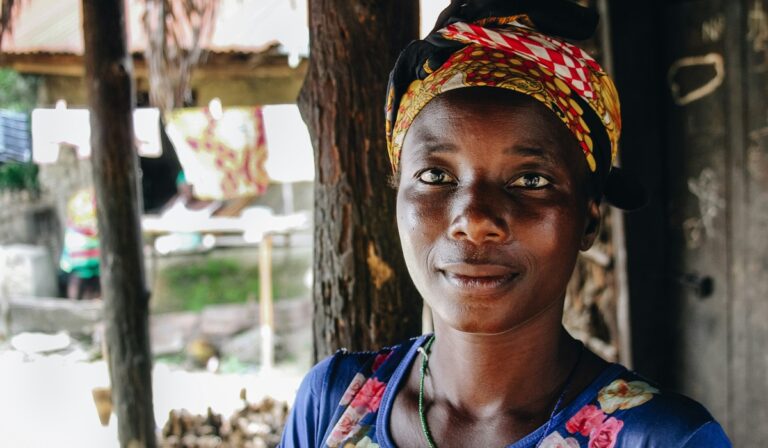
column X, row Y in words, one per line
column 346, row 401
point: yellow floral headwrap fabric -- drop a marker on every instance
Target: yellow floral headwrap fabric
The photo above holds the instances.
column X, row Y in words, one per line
column 509, row 53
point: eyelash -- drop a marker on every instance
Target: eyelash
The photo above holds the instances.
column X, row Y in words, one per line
column 437, row 171
column 522, row 178
column 529, row 176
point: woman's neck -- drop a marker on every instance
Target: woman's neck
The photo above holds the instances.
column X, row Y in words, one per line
column 518, row 370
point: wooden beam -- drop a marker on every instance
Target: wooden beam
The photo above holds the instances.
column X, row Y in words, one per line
column 217, row 65
column 126, row 299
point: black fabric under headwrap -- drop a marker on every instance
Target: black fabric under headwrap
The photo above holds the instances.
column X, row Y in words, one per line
column 561, row 18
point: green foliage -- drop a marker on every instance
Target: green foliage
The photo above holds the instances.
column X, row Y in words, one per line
column 194, row 285
column 17, row 92
column 17, row 176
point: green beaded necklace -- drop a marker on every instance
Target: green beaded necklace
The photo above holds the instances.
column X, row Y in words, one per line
column 423, row 416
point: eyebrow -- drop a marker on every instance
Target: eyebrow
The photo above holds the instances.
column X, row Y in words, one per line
column 530, row 151
column 436, row 147
column 430, row 143
column 433, row 144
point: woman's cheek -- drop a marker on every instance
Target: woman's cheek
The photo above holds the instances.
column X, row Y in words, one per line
column 420, row 211
column 419, row 222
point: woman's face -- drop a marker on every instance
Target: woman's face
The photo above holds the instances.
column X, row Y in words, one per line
column 493, row 207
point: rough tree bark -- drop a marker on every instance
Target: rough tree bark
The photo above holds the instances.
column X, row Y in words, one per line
column 363, row 296
column 126, row 299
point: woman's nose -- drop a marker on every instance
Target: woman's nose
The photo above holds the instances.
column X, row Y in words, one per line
column 479, row 217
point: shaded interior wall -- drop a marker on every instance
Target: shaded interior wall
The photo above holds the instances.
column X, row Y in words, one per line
column 693, row 76
column 637, row 42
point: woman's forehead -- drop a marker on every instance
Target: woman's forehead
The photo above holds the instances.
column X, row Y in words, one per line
column 488, row 115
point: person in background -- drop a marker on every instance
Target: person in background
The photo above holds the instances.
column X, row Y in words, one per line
column 79, row 260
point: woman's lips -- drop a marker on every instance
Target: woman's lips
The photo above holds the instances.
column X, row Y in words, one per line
column 478, row 277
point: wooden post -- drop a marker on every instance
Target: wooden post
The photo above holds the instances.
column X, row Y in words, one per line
column 363, row 296
column 266, row 308
column 126, row 299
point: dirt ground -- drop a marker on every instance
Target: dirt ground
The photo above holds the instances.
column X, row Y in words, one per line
column 46, row 400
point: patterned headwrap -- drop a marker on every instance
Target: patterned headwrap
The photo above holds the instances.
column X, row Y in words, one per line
column 508, row 44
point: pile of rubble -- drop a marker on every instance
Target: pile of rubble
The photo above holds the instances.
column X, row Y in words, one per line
column 256, row 425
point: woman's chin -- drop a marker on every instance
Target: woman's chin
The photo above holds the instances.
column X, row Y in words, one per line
column 474, row 320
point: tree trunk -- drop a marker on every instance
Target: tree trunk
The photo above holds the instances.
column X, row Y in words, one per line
column 126, row 299
column 363, row 295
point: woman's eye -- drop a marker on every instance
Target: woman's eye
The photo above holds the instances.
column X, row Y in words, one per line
column 435, row 176
column 531, row 181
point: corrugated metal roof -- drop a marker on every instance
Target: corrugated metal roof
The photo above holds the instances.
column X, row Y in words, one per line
column 242, row 26
column 15, row 142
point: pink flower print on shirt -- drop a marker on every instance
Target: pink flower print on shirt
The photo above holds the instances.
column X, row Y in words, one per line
column 583, row 422
column 379, row 360
column 555, row 440
column 348, row 423
column 606, row 434
column 624, row 395
column 370, row 395
column 352, row 389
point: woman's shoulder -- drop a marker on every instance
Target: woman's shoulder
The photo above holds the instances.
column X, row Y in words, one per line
column 631, row 391
column 337, row 370
column 341, row 379
column 630, row 410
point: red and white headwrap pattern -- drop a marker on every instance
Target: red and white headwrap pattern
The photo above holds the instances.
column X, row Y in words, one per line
column 519, row 58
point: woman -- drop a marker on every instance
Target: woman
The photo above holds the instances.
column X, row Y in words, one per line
column 501, row 138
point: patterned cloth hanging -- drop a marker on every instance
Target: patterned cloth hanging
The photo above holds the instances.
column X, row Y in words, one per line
column 222, row 157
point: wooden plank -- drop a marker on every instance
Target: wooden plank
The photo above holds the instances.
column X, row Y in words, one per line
column 216, row 65
column 115, row 175
column 738, row 329
column 749, row 363
column 697, row 170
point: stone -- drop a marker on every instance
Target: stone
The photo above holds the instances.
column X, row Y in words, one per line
column 49, row 315
column 26, row 271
